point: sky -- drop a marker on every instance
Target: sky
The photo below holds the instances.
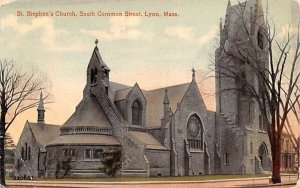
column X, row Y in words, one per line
column 153, row 51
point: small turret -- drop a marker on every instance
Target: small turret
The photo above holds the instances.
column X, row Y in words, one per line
column 166, row 104
column 220, row 26
column 41, row 110
column 227, row 13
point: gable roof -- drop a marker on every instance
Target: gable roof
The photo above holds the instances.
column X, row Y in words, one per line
column 88, row 113
column 155, row 98
column 44, row 133
column 147, row 139
column 117, row 86
column 122, row 94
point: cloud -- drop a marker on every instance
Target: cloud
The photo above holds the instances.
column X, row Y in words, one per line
column 4, row 2
column 180, row 31
column 45, row 24
column 121, row 28
column 207, row 37
column 187, row 34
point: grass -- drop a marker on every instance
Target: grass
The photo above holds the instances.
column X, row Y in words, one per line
column 134, row 179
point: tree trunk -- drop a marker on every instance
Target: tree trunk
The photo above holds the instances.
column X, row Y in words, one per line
column 276, row 160
column 2, row 166
column 2, row 135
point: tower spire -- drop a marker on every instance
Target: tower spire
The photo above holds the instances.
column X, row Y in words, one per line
column 229, row 4
column 166, row 99
column 41, row 110
column 221, row 26
column 166, row 103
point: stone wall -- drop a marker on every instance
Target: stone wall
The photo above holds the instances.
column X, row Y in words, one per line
column 159, row 162
column 192, row 103
column 80, row 166
column 197, row 163
column 28, row 167
column 134, row 161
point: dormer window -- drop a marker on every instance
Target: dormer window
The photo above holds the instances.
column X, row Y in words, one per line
column 136, row 109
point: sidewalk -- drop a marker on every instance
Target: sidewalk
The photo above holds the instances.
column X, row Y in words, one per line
column 247, row 182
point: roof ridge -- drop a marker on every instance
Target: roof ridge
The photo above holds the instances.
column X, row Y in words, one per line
column 47, row 124
column 130, row 87
column 168, row 87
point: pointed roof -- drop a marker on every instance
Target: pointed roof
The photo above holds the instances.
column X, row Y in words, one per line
column 88, row 113
column 229, row 4
column 166, row 99
column 41, row 103
column 44, row 134
column 99, row 58
column 155, row 109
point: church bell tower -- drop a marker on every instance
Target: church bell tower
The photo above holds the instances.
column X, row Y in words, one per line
column 41, row 110
column 97, row 75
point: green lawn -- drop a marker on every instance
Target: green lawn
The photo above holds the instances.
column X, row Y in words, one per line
column 129, row 179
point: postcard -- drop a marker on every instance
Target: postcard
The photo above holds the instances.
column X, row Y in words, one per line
column 111, row 93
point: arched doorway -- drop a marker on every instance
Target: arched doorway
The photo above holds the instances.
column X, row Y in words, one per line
column 263, row 156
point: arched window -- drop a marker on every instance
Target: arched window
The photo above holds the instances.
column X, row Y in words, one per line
column 26, row 152
column 95, row 77
column 29, row 153
column 263, row 153
column 136, row 109
column 92, row 76
column 260, row 41
column 195, row 132
column 22, row 153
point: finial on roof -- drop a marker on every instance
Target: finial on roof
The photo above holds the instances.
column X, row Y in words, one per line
column 221, row 25
column 193, row 70
column 229, row 3
column 96, row 42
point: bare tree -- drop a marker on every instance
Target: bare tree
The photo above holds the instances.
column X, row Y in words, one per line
column 274, row 66
column 18, row 93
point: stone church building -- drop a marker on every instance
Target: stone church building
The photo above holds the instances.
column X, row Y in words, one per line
column 161, row 132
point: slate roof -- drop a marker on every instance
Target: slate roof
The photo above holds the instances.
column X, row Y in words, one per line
column 148, row 139
column 44, row 133
column 155, row 98
column 117, row 86
column 85, row 139
column 96, row 50
column 122, row 94
column 88, row 113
